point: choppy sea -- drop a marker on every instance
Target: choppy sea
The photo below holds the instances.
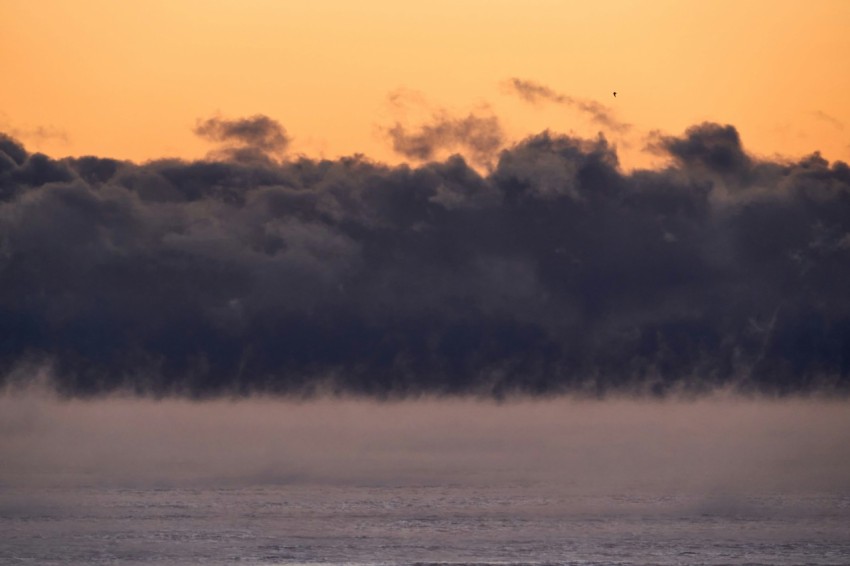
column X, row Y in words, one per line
column 434, row 524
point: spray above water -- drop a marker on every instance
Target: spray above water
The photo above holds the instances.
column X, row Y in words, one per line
column 712, row 446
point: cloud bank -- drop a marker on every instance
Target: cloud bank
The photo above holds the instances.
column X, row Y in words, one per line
column 555, row 272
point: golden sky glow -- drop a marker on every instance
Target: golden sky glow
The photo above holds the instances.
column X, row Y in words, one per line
column 130, row 79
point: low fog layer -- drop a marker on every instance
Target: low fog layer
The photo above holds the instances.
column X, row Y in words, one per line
column 554, row 272
column 712, row 446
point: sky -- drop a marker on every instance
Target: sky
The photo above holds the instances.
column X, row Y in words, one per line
column 385, row 243
column 204, row 199
column 130, row 81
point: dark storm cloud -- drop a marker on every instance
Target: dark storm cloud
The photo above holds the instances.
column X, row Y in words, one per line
column 245, row 139
column 554, row 272
column 535, row 93
column 479, row 136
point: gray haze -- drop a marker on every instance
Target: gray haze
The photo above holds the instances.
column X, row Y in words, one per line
column 536, row 93
column 480, row 137
column 254, row 139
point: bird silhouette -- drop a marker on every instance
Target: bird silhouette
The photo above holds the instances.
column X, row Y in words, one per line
column 615, row 94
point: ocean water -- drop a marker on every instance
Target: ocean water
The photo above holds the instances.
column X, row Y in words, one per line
column 431, row 524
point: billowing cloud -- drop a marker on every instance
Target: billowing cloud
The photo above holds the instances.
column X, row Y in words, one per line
column 709, row 148
column 554, row 272
column 245, row 139
column 536, row 93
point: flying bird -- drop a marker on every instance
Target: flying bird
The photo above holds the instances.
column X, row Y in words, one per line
column 615, row 94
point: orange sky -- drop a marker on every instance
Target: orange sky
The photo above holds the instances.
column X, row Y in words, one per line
column 130, row 79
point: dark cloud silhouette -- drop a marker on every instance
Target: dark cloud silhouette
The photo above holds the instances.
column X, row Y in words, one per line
column 554, row 272
column 536, row 93
column 12, row 151
column 480, row 137
column 245, row 139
